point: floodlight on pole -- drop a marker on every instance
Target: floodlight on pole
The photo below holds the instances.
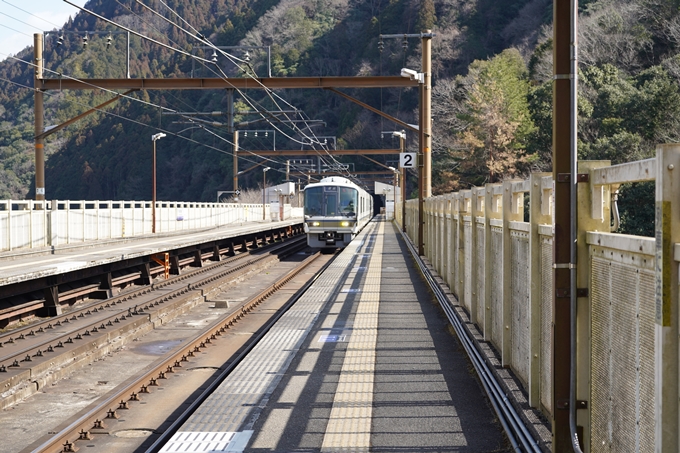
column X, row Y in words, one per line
column 154, row 137
column 413, row 75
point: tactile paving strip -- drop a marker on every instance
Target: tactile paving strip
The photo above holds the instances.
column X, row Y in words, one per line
column 349, row 425
column 236, row 403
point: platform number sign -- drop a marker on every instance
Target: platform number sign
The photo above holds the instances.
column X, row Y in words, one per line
column 407, row 160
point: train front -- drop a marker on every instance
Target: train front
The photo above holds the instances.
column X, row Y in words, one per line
column 330, row 215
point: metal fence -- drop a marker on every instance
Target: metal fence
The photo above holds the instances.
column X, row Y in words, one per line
column 498, row 262
column 27, row 224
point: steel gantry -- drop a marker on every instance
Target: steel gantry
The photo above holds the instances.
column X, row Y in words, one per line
column 405, row 80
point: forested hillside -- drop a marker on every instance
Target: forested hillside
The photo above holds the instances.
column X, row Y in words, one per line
column 492, row 89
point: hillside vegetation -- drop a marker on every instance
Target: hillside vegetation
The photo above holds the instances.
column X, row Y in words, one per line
column 492, row 93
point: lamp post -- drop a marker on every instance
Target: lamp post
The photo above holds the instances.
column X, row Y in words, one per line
column 420, row 77
column 264, row 191
column 154, row 137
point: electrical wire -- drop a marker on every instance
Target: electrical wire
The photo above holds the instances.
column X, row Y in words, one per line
column 145, row 124
column 30, row 14
column 198, row 36
column 14, row 30
column 252, row 103
column 231, row 57
column 269, row 92
column 204, row 62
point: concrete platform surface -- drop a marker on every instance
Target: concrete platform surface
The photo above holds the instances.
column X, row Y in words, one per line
column 365, row 362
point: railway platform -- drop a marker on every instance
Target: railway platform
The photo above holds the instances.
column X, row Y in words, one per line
column 366, row 361
column 21, row 265
column 43, row 280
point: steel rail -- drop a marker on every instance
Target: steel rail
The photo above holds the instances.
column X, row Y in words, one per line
column 36, row 350
column 66, row 344
column 94, row 419
column 512, row 423
column 184, row 416
column 42, row 326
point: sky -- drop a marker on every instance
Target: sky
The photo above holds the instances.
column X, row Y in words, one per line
column 20, row 19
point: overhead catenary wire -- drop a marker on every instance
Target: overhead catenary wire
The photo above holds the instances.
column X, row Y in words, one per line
column 268, row 91
column 197, row 35
column 15, row 30
column 30, row 14
column 150, row 104
column 310, row 139
column 252, row 103
column 155, row 128
column 212, row 68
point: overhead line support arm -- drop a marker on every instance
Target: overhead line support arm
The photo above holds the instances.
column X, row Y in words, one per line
column 374, row 110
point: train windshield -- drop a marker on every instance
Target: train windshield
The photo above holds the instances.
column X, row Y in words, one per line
column 330, row 201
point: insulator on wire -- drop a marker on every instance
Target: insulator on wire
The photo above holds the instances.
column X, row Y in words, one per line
column 381, row 45
column 60, row 40
column 85, row 41
column 214, row 57
column 404, row 43
column 109, row 39
column 246, row 56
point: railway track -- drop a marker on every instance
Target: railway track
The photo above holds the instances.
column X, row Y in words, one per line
column 99, row 419
column 30, row 357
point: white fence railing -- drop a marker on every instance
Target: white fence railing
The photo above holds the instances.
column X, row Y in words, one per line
column 27, row 224
column 500, row 267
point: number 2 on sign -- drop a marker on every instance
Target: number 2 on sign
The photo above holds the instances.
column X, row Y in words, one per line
column 407, row 160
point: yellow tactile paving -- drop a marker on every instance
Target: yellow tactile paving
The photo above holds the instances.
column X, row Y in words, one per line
column 349, row 425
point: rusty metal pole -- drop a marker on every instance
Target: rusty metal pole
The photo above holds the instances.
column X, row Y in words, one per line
column 402, row 143
column 231, row 129
column 235, row 161
column 427, row 111
column 421, row 172
column 561, row 353
column 38, row 117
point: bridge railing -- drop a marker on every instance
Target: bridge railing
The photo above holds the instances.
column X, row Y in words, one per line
column 28, row 224
column 493, row 246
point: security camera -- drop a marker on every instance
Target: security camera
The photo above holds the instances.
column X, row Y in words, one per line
column 409, row 73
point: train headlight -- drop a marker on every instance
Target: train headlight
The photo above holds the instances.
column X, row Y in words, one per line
column 344, row 224
column 315, row 224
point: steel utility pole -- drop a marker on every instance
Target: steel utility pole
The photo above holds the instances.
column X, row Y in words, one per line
column 564, row 126
column 427, row 112
column 38, row 120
